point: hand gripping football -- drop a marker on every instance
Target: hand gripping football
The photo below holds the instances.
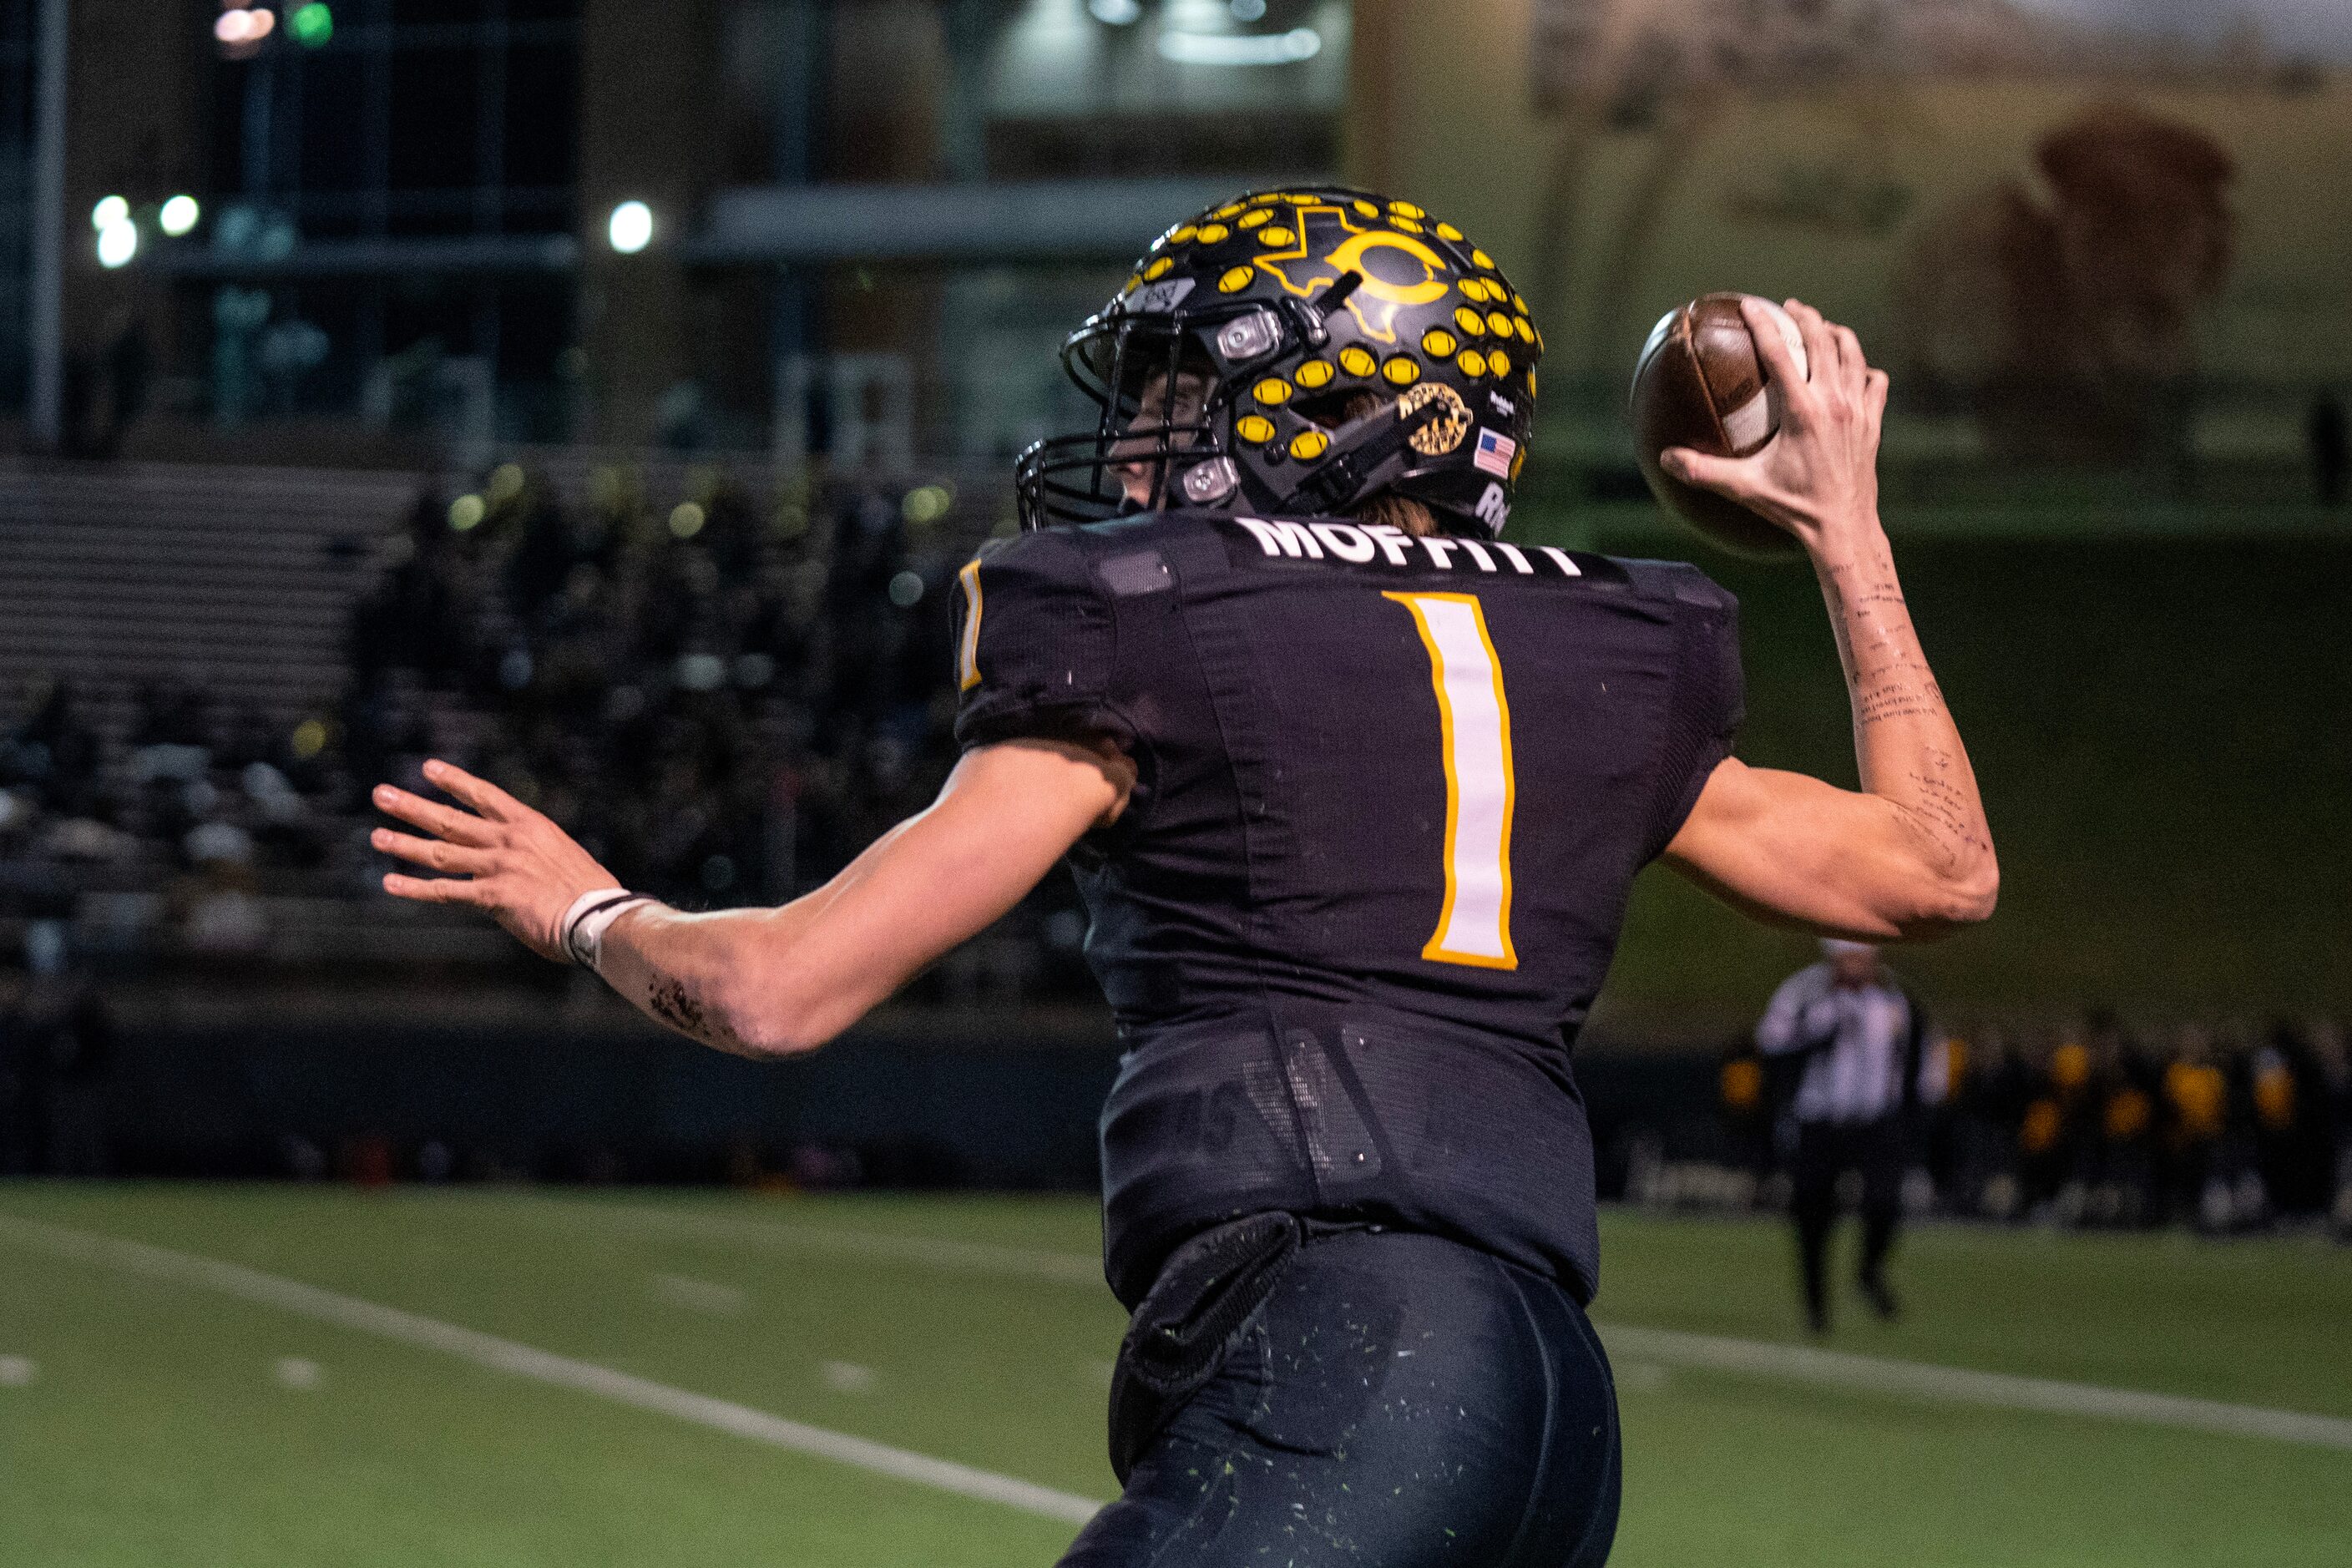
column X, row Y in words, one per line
column 1701, row 383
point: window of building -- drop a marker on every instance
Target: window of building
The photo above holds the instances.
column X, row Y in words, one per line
column 419, row 120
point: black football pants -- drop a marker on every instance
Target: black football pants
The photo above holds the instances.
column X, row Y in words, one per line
column 1826, row 1151
column 1399, row 1400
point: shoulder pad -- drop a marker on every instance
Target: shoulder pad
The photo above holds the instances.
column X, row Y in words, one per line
column 1034, row 640
column 1681, row 581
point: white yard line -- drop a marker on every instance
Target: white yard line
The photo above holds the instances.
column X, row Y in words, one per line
column 1959, row 1386
column 702, row 1295
column 543, row 1366
column 1756, row 1358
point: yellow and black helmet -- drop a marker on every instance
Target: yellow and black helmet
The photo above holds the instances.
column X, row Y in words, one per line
column 1294, row 353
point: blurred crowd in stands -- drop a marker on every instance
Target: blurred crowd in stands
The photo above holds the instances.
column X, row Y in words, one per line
column 724, row 700
column 722, row 705
column 169, row 817
column 2091, row 1126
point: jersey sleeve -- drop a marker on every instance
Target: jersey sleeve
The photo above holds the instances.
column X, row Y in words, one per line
column 1036, row 642
column 1708, row 703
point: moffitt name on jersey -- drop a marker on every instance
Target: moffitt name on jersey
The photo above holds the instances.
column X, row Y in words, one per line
column 1362, row 543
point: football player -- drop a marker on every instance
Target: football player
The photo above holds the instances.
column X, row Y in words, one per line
column 1355, row 787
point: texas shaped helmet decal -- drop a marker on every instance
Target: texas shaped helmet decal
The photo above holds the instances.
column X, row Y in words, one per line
column 1326, row 243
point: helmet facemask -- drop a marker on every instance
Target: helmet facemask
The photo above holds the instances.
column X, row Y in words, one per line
column 1160, row 439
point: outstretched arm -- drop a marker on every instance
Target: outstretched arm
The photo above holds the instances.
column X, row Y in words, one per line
column 1909, row 856
column 774, row 982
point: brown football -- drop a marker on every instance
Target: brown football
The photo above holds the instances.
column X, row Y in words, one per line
column 1700, row 384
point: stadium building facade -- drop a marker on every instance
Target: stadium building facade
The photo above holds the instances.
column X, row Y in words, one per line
column 846, row 226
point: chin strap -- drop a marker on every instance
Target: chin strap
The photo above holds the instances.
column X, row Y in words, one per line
column 1367, row 455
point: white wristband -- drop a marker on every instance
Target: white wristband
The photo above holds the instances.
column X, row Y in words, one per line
column 580, row 933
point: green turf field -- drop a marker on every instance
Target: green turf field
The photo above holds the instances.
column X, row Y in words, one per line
column 151, row 1419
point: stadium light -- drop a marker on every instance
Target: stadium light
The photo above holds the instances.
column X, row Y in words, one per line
column 117, row 244
column 244, row 24
column 311, row 26
column 632, row 228
column 1241, row 49
column 110, row 211
column 178, row 215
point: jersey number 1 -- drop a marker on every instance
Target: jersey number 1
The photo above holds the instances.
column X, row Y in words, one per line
column 1474, row 926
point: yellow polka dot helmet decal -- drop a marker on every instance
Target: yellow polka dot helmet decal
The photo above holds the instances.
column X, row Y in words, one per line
column 1304, row 323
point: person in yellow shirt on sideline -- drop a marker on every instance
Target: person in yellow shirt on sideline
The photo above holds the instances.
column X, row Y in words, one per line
column 2196, row 1096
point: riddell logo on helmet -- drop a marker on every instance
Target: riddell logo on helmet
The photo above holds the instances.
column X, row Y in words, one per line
column 1493, row 509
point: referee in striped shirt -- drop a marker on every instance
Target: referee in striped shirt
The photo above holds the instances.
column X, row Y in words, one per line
column 1858, row 1045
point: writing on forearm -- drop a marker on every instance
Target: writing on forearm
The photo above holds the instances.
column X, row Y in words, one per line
column 1905, row 744
column 1905, row 691
column 1947, row 814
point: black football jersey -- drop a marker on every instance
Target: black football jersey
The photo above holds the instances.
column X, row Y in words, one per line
column 1392, row 796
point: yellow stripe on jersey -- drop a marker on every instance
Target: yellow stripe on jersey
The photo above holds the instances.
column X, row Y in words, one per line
column 968, row 651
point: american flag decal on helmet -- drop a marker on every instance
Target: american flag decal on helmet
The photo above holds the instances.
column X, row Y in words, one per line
column 1494, row 453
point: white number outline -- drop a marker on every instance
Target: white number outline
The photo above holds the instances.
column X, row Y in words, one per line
column 1458, row 669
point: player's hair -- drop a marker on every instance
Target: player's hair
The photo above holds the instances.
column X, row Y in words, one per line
column 1401, row 512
